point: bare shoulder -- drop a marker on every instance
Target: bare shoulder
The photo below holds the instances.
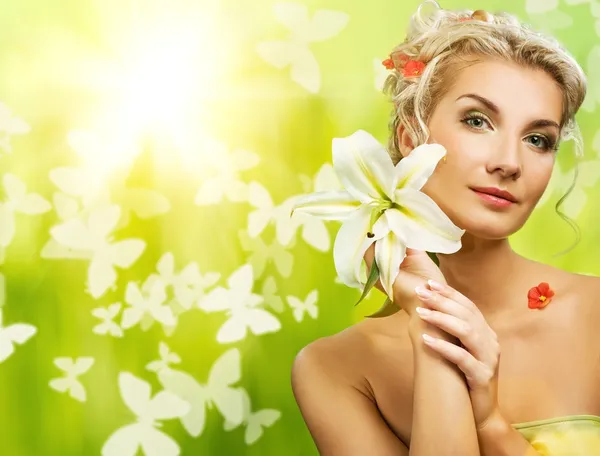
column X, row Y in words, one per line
column 578, row 291
column 352, row 355
column 587, row 289
column 341, row 356
column 333, row 382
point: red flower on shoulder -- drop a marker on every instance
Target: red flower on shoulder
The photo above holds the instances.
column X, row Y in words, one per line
column 540, row 296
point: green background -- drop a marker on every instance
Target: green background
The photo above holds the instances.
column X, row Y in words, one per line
column 166, row 91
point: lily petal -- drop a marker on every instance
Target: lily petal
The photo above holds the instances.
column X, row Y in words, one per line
column 352, row 242
column 422, row 224
column 364, row 167
column 414, row 170
column 389, row 254
column 328, row 205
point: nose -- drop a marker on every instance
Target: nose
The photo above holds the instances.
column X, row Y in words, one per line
column 506, row 159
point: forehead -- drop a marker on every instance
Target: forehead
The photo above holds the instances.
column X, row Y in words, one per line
column 515, row 89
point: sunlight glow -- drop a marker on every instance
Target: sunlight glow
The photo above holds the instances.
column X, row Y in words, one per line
column 156, row 93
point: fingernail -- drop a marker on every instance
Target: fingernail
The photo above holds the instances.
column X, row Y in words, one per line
column 423, row 293
column 428, row 339
column 435, row 285
column 423, row 311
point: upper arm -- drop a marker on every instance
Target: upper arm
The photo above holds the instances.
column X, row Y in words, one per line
column 340, row 418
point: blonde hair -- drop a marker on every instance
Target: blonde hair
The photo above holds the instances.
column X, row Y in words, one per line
column 443, row 39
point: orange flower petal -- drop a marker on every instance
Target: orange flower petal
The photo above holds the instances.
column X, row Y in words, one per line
column 540, row 296
column 413, row 68
column 534, row 293
column 544, row 303
column 543, row 287
column 388, row 63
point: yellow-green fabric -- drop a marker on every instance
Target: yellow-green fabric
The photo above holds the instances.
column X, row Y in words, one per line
column 573, row 435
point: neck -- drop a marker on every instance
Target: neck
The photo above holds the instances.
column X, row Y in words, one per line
column 482, row 271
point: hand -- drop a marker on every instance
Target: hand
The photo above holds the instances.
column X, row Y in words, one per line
column 415, row 270
column 477, row 356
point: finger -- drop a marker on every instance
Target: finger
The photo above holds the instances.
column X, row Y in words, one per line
column 451, row 293
column 449, row 323
column 473, row 369
column 458, row 298
column 474, row 336
column 436, row 301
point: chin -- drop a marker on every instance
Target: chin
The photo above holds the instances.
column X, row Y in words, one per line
column 485, row 224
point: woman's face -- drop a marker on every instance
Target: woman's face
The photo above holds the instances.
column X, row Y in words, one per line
column 499, row 123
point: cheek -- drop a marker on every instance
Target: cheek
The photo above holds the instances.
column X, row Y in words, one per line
column 456, row 173
column 539, row 177
column 445, row 187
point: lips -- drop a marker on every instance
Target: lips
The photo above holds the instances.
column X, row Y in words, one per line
column 498, row 193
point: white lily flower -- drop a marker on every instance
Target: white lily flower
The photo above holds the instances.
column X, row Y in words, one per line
column 381, row 204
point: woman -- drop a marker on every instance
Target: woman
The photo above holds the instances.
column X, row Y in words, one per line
column 499, row 98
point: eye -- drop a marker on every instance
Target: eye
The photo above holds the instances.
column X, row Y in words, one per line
column 541, row 142
column 475, row 120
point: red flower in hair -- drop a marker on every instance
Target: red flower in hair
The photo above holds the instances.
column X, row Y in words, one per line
column 388, row 63
column 540, row 296
column 395, row 60
column 413, row 68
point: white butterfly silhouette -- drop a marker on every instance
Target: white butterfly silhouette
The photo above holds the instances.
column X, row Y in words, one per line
column 82, row 186
column 66, row 208
column 241, row 306
column 307, row 306
column 17, row 333
column 126, row 440
column 268, row 291
column 222, row 168
column 261, row 254
column 167, row 357
column 323, row 25
column 254, row 421
column 266, row 211
column 108, row 326
column 314, row 230
column 218, row 391
column 10, row 125
column 90, row 188
column 72, row 370
column 146, row 310
column 189, row 285
column 94, row 237
column 103, row 159
column 18, row 200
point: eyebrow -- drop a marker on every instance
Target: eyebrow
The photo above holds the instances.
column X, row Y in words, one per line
column 538, row 123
